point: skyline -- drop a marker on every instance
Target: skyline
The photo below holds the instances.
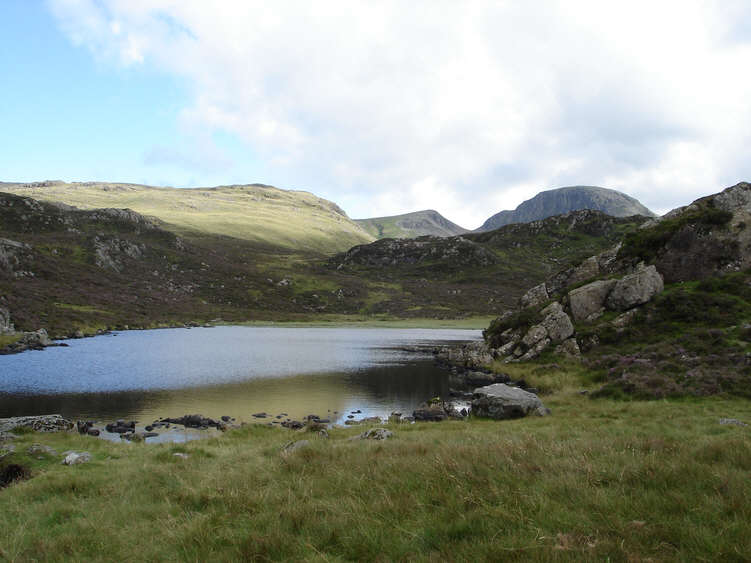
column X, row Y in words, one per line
column 383, row 109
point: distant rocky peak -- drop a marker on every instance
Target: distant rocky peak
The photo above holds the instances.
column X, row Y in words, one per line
column 564, row 200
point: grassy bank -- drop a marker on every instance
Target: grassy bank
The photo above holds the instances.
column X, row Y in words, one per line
column 373, row 321
column 599, row 479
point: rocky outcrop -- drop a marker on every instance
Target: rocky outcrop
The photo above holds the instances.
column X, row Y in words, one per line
column 42, row 423
column 602, row 264
column 514, row 339
column 500, row 401
column 588, row 302
column 35, row 340
column 109, row 253
column 459, row 251
column 554, row 327
column 709, row 237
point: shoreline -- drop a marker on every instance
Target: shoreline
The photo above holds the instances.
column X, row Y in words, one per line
column 39, row 339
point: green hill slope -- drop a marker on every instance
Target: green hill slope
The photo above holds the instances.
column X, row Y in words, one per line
column 265, row 215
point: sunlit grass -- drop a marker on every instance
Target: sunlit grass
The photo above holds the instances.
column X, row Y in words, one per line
column 262, row 214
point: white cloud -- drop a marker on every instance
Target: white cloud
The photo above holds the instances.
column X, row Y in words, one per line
column 466, row 107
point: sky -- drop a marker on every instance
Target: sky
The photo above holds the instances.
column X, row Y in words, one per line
column 466, row 107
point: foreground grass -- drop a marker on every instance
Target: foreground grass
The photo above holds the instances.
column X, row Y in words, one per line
column 597, row 480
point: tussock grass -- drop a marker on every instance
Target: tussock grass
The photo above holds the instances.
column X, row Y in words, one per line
column 597, row 480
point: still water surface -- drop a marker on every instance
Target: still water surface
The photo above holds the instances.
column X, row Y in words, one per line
column 228, row 370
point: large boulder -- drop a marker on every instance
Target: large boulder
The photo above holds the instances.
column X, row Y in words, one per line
column 500, row 401
column 588, row 302
column 635, row 289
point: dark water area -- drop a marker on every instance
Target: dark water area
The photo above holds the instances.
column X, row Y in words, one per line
column 231, row 370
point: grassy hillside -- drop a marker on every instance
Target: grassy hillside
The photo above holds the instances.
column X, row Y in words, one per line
column 264, row 215
column 410, row 225
column 66, row 270
column 596, row 481
column 478, row 272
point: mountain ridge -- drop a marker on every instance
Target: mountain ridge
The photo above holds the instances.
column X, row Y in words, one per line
column 410, row 225
column 557, row 201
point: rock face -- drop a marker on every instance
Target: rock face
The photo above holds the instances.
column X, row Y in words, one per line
column 43, row 423
column 635, row 289
column 499, row 401
column 562, row 200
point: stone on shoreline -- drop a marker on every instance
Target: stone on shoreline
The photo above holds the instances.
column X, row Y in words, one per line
column 500, row 402
column 41, row 423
